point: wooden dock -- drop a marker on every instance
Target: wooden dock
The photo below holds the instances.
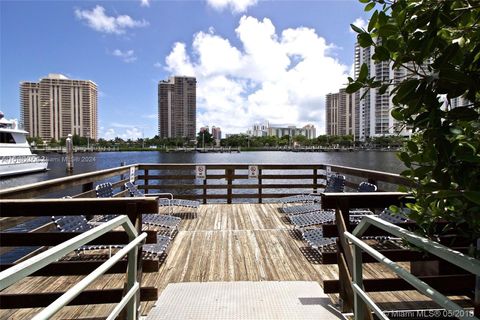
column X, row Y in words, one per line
column 225, row 242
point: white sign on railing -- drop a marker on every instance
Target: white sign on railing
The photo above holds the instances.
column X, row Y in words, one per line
column 252, row 172
column 132, row 174
column 200, row 172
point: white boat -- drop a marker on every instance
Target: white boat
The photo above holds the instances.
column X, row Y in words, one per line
column 15, row 154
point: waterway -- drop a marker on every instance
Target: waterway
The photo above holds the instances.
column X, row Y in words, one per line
column 88, row 162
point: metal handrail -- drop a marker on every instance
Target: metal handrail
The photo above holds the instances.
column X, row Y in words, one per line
column 360, row 296
column 28, row 267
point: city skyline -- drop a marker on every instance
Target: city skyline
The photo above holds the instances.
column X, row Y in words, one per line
column 275, row 59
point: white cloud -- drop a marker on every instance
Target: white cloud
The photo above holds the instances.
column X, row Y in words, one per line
column 178, row 61
column 127, row 55
column 236, row 6
column 124, row 131
column 157, row 65
column 281, row 77
column 145, row 3
column 150, row 116
column 99, row 21
column 359, row 22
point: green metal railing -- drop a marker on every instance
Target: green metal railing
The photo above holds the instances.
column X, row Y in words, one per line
column 28, row 267
column 361, row 298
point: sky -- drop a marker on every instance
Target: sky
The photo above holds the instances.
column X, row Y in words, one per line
column 254, row 60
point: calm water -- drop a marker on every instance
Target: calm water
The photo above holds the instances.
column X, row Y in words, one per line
column 87, row 162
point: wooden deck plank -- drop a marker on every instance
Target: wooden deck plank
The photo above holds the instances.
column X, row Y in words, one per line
column 240, row 242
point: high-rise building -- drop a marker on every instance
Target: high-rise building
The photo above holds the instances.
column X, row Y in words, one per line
column 57, row 106
column 265, row 129
column 340, row 114
column 177, row 107
column 216, row 133
column 309, row 131
column 374, row 109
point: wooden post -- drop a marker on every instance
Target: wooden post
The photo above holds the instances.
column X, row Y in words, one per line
column 229, row 175
column 315, row 176
column 345, row 290
column 205, row 191
column 145, row 180
column 122, row 176
column 260, row 186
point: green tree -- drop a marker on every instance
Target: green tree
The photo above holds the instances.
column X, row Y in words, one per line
column 438, row 42
column 53, row 143
column 300, row 139
column 204, row 137
column 37, row 141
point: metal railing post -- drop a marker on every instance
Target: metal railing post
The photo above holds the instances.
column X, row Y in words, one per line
column 132, row 281
column 358, row 305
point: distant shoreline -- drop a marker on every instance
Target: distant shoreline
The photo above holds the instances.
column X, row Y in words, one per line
column 301, row 150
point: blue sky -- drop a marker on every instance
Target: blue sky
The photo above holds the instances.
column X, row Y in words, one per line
column 254, row 60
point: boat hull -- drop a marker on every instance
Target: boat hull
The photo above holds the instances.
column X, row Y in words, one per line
column 22, row 165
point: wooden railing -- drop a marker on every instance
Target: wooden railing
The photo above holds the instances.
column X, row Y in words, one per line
column 224, row 182
column 132, row 207
column 273, row 180
column 449, row 280
column 77, row 186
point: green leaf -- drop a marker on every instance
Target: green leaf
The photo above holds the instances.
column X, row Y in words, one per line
column 473, row 196
column 353, row 87
column 452, row 75
column 463, row 113
column 381, row 54
column 387, row 30
column 405, row 90
column 369, row 6
column 383, row 88
column 422, row 171
column 364, row 1
column 356, row 29
column 405, row 158
column 397, row 114
column 373, row 21
column 392, row 45
column 412, row 146
column 364, row 39
column 382, row 18
column 363, row 72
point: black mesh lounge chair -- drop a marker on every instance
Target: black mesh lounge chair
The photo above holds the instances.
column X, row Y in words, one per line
column 366, row 187
column 336, row 183
column 314, row 207
column 105, row 190
column 311, row 219
column 80, row 224
column 316, row 240
column 164, row 199
column 303, row 208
